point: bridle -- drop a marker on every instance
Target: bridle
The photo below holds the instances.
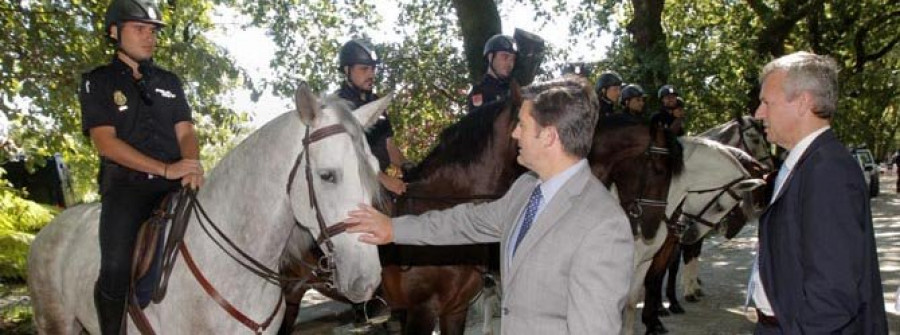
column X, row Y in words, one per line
column 680, row 226
column 746, row 146
column 325, row 269
column 635, row 208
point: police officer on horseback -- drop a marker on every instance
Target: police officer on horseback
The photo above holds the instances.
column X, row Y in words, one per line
column 609, row 88
column 632, row 101
column 500, row 52
column 358, row 62
column 138, row 118
column 667, row 116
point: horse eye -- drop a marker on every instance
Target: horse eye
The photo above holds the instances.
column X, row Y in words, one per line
column 328, row 176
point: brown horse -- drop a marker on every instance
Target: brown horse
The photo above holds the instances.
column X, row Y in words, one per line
column 474, row 160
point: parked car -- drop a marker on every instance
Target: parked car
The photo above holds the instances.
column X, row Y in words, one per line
column 49, row 184
column 870, row 168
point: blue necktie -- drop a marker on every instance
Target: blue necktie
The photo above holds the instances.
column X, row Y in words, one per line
column 530, row 212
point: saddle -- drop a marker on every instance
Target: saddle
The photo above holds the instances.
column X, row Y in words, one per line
column 155, row 253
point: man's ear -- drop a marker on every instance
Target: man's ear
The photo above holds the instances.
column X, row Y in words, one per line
column 113, row 31
column 549, row 135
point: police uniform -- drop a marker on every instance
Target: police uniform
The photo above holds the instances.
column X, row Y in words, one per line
column 380, row 132
column 489, row 90
column 666, row 119
column 607, row 106
column 144, row 114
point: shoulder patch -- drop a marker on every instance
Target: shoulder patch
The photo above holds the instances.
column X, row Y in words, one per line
column 477, row 100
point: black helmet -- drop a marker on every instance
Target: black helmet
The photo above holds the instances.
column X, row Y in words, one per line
column 120, row 11
column 630, row 91
column 357, row 52
column 607, row 79
column 500, row 43
column 666, row 90
column 579, row 69
column 679, row 102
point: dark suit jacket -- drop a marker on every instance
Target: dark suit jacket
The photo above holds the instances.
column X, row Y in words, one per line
column 817, row 258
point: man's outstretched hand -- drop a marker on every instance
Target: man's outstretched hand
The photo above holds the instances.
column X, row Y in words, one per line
column 373, row 226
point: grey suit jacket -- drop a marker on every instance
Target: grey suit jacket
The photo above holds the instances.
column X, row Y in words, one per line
column 572, row 270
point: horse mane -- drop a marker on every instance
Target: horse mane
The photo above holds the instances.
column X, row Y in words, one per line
column 675, row 158
column 463, row 142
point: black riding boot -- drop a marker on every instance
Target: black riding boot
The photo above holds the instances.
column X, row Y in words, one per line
column 110, row 313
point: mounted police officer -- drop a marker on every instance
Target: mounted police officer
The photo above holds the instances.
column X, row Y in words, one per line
column 609, row 88
column 500, row 52
column 632, row 101
column 666, row 117
column 138, row 118
column 358, row 62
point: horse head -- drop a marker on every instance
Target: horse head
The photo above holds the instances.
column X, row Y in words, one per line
column 340, row 174
column 713, row 185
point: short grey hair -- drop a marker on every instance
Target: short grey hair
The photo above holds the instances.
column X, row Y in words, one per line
column 808, row 72
column 570, row 105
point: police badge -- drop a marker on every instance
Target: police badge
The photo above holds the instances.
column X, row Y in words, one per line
column 120, row 100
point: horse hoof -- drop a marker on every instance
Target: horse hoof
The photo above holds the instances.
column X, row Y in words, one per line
column 691, row 298
column 676, row 309
column 656, row 330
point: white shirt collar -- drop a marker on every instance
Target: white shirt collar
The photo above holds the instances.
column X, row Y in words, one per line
column 798, row 150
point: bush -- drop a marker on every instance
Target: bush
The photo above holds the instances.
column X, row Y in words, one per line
column 20, row 220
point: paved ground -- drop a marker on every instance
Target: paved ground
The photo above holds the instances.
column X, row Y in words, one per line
column 724, row 273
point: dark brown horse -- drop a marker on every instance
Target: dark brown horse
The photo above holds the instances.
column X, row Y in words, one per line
column 474, row 160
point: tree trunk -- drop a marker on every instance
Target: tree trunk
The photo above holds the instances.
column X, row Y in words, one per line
column 478, row 21
column 650, row 51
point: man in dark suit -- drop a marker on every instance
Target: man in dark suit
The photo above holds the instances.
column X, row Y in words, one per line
column 817, row 268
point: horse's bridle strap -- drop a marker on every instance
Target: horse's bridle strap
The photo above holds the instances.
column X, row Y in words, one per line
column 257, row 328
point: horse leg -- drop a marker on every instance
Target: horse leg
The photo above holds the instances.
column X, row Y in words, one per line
column 420, row 320
column 292, row 300
column 692, row 292
column 454, row 324
column 653, row 286
column 672, row 280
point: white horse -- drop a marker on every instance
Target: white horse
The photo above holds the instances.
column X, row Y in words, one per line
column 702, row 190
column 255, row 200
column 746, row 134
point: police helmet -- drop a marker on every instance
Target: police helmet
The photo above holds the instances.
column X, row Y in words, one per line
column 357, row 52
column 579, row 69
column 630, row 91
column 679, row 102
column 666, row 90
column 120, row 11
column 607, row 79
column 500, row 42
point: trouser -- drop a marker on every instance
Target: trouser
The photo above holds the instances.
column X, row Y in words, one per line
column 128, row 198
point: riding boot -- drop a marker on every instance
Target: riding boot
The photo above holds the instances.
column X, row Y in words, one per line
column 110, row 313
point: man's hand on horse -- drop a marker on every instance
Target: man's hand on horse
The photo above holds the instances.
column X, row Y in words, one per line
column 194, row 181
column 373, row 226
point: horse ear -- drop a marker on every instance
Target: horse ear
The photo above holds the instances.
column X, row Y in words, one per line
column 307, row 103
column 369, row 113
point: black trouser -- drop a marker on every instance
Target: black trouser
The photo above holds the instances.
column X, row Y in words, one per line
column 128, row 199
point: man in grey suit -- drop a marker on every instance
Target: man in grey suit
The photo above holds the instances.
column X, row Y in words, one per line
column 567, row 249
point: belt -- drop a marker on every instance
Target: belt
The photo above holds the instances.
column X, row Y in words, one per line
column 766, row 320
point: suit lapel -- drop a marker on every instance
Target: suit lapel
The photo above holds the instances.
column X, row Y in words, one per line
column 825, row 137
column 548, row 218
